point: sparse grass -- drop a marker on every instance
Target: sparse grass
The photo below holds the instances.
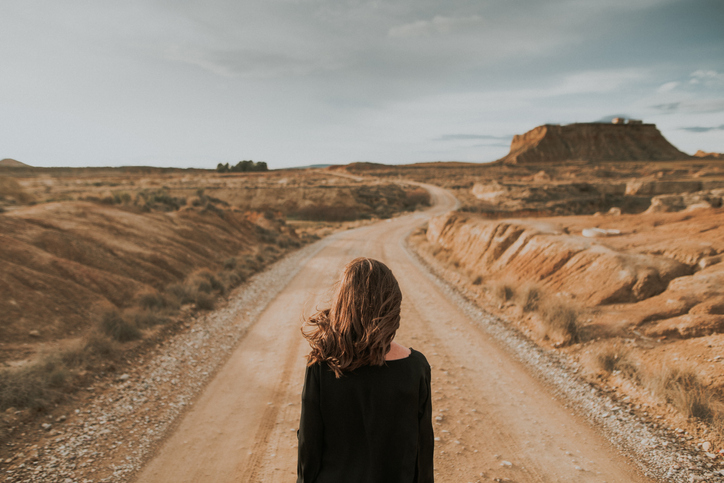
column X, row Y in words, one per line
column 326, row 213
column 156, row 301
column 529, row 297
column 561, row 320
column 503, row 291
column 685, row 391
column 204, row 301
column 617, row 359
column 116, row 326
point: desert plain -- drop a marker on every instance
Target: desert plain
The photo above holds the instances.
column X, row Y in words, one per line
column 567, row 296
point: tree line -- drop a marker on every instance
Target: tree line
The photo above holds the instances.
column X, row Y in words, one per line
column 242, row 167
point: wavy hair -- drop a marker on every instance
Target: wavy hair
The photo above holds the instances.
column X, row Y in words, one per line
column 358, row 328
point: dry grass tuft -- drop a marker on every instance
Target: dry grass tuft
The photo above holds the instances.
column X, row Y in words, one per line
column 529, row 297
column 561, row 320
column 503, row 291
column 617, row 359
column 118, row 327
column 685, row 391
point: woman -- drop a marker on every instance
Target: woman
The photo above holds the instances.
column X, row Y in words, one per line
column 366, row 408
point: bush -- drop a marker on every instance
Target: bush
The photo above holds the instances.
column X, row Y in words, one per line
column 230, row 263
column 478, row 280
column 204, row 301
column 683, row 389
column 326, row 213
column 118, row 328
column 561, row 320
column 612, row 359
column 147, row 319
column 181, row 292
column 503, row 291
column 156, row 301
column 529, row 297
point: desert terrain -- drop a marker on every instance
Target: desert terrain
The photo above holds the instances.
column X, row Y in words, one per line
column 568, row 298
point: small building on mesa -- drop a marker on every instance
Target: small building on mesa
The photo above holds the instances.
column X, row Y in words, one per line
column 623, row 120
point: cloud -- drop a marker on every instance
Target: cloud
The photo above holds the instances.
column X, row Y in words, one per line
column 702, row 129
column 244, row 62
column 437, row 26
column 463, row 137
column 698, row 106
column 669, row 86
column 708, row 78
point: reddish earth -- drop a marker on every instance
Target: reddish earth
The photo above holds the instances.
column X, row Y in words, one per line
column 591, row 142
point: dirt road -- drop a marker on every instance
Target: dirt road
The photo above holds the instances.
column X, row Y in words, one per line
column 492, row 418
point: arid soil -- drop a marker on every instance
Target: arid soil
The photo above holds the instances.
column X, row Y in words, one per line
column 636, row 299
column 494, row 420
column 101, row 265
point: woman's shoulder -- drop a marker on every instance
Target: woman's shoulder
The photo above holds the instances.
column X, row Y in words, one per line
column 419, row 357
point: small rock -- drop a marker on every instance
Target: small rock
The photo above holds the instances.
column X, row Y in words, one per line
column 124, row 377
column 34, row 333
column 61, row 419
column 46, row 426
column 711, row 455
column 507, row 464
column 706, row 445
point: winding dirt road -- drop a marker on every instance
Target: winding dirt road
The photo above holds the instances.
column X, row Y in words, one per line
column 494, row 421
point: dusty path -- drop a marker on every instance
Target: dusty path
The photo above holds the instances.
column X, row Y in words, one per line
column 494, row 420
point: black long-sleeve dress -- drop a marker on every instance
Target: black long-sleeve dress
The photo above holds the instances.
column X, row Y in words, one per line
column 372, row 425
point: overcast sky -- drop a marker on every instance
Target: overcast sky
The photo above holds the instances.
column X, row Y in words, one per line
column 297, row 82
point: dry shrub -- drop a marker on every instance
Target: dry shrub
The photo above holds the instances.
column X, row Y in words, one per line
column 145, row 319
column 685, row 391
column 119, row 327
column 529, row 297
column 503, row 291
column 230, row 263
column 477, row 280
column 157, row 301
column 417, row 197
column 204, row 301
column 561, row 320
column 617, row 359
column 326, row 213
column 35, row 386
column 181, row 292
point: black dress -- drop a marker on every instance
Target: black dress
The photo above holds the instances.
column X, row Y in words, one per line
column 372, row 425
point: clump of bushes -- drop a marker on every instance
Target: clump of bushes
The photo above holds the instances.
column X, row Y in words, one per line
column 320, row 212
column 242, row 167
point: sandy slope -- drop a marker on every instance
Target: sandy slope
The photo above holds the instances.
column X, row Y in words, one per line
column 242, row 428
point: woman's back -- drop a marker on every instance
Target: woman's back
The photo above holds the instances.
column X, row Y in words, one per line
column 371, row 425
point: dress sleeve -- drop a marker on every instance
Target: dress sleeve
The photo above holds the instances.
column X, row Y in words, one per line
column 311, row 430
column 426, row 436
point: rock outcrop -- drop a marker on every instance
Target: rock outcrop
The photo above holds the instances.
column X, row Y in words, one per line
column 591, row 142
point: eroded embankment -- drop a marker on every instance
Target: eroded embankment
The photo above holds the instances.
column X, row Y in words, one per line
column 669, row 278
column 637, row 301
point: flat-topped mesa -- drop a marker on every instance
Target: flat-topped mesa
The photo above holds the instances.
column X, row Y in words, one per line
column 593, row 141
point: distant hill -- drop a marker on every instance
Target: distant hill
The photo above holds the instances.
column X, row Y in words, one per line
column 702, row 154
column 594, row 141
column 11, row 163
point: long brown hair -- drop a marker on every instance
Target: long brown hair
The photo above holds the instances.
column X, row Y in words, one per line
column 359, row 326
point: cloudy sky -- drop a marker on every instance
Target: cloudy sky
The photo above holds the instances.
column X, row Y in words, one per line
column 297, row 82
